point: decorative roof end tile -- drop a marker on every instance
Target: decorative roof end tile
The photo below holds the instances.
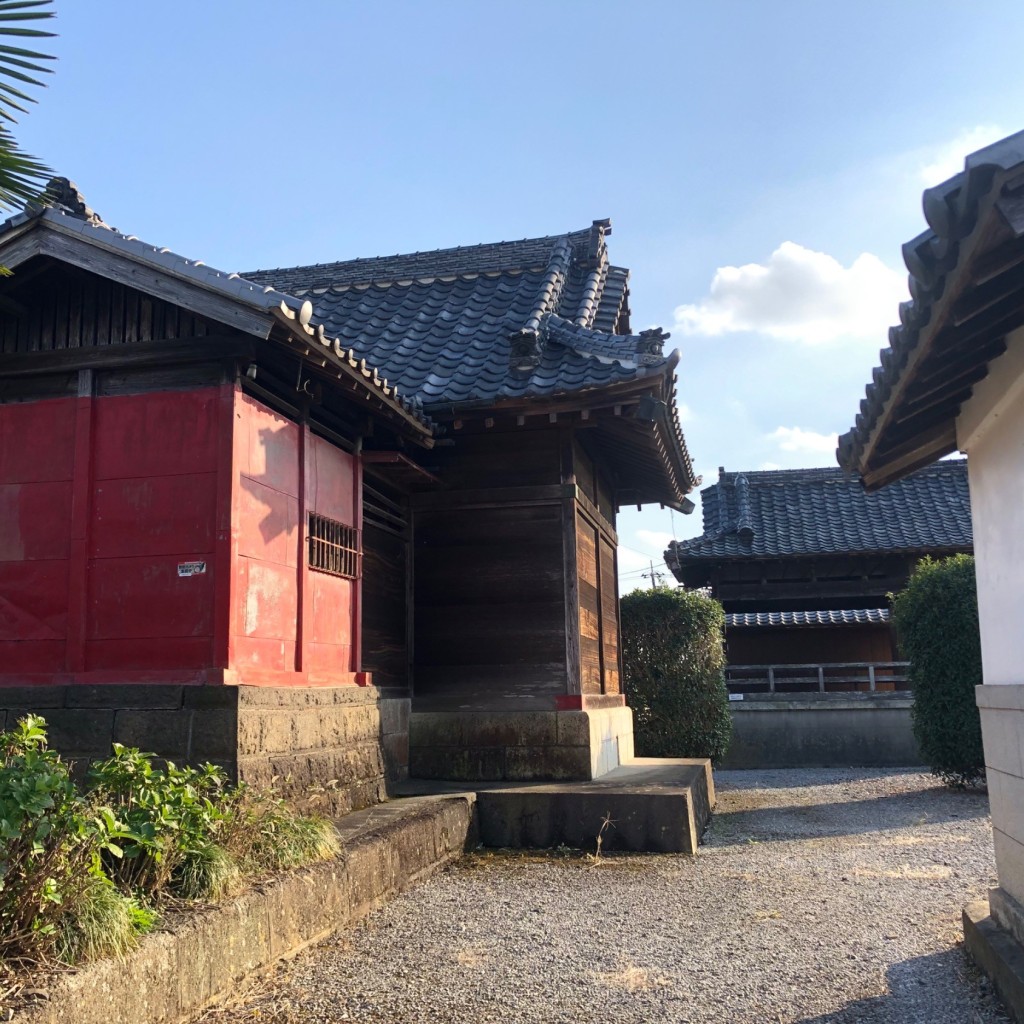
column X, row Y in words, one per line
column 524, row 351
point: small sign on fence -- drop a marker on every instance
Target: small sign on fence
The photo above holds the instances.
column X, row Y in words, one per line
column 191, row 568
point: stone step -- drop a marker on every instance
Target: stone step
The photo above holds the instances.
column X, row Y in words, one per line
column 653, row 805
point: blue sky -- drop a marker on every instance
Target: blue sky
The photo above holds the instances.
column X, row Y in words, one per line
column 761, row 163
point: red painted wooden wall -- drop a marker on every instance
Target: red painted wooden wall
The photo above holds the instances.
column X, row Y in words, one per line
column 106, row 502
column 284, row 617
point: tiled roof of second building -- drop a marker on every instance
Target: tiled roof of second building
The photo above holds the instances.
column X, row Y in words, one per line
column 783, row 513
column 482, row 323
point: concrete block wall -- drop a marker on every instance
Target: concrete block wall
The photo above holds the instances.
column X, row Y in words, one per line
column 347, row 741
column 1002, row 730
column 477, row 746
column 822, row 730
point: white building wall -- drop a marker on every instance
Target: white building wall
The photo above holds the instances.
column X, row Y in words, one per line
column 990, row 429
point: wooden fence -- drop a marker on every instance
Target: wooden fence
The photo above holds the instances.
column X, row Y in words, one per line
column 844, row 677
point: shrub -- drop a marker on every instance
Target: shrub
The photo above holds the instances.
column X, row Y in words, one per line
column 673, row 663
column 936, row 620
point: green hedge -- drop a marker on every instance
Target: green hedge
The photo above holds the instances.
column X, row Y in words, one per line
column 673, row 662
column 936, row 620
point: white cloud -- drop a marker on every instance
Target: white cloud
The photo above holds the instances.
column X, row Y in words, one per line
column 653, row 540
column 632, row 561
column 804, row 442
column 686, row 414
column 948, row 159
column 799, row 294
column 770, row 465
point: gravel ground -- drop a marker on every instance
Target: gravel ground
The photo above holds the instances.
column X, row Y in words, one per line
column 820, row 897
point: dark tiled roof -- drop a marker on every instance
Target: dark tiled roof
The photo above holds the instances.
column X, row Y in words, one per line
column 830, row 617
column 824, row 511
column 955, row 212
column 478, row 324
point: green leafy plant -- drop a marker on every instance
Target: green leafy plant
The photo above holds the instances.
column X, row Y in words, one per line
column 173, row 817
column 936, row 619
column 51, row 844
column 22, row 177
column 673, row 662
column 82, row 871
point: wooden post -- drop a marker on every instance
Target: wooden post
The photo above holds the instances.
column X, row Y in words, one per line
column 304, row 586
column 821, row 679
column 771, row 678
column 226, row 550
column 357, row 587
column 81, row 503
column 871, row 677
column 570, row 568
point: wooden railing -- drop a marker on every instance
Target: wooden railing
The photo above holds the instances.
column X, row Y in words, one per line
column 841, row 677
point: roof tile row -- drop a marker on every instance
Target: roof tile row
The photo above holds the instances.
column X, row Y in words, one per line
column 824, row 511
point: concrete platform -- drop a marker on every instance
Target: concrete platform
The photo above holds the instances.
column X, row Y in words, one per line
column 656, row 805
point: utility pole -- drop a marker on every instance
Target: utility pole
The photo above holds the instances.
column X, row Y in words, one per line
column 654, row 577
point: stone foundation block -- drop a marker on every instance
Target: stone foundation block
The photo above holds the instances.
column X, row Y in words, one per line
column 345, row 741
column 481, row 746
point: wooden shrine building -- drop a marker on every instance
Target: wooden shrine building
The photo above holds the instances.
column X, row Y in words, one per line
column 803, row 560
column 262, row 518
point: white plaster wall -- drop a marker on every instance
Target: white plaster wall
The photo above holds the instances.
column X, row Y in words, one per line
column 991, row 430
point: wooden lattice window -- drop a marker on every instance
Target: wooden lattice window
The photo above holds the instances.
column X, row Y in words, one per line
column 333, row 547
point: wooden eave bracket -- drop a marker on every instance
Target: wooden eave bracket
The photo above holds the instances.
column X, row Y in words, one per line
column 403, row 463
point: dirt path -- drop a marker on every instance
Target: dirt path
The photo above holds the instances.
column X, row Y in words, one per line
column 820, row 897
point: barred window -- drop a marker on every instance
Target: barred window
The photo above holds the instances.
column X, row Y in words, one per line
column 333, row 547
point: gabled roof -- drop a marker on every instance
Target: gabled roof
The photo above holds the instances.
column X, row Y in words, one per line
column 795, row 512
column 827, row 617
column 68, row 231
column 489, row 326
column 479, row 324
column 965, row 297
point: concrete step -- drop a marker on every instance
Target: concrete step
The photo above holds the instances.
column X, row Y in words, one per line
column 653, row 805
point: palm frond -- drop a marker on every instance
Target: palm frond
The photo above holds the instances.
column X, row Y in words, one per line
column 22, row 177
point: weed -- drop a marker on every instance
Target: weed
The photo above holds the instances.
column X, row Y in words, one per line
column 606, row 823
column 82, row 870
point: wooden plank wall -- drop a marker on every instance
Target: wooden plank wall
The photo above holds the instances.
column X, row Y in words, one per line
column 489, row 607
column 64, row 308
column 517, row 458
column 385, row 594
column 598, row 580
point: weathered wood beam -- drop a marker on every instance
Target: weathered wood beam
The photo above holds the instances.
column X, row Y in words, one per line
column 493, row 497
column 948, row 390
column 987, row 296
column 938, row 441
column 119, row 267
column 997, row 262
column 148, row 353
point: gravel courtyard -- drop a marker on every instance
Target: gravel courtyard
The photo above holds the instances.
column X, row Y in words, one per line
column 820, row 897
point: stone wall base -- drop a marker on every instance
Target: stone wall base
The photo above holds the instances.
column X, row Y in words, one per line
column 335, row 746
column 1002, row 732
column 477, row 746
column 997, row 951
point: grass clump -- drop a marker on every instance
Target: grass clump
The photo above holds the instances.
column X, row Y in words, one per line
column 85, row 869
